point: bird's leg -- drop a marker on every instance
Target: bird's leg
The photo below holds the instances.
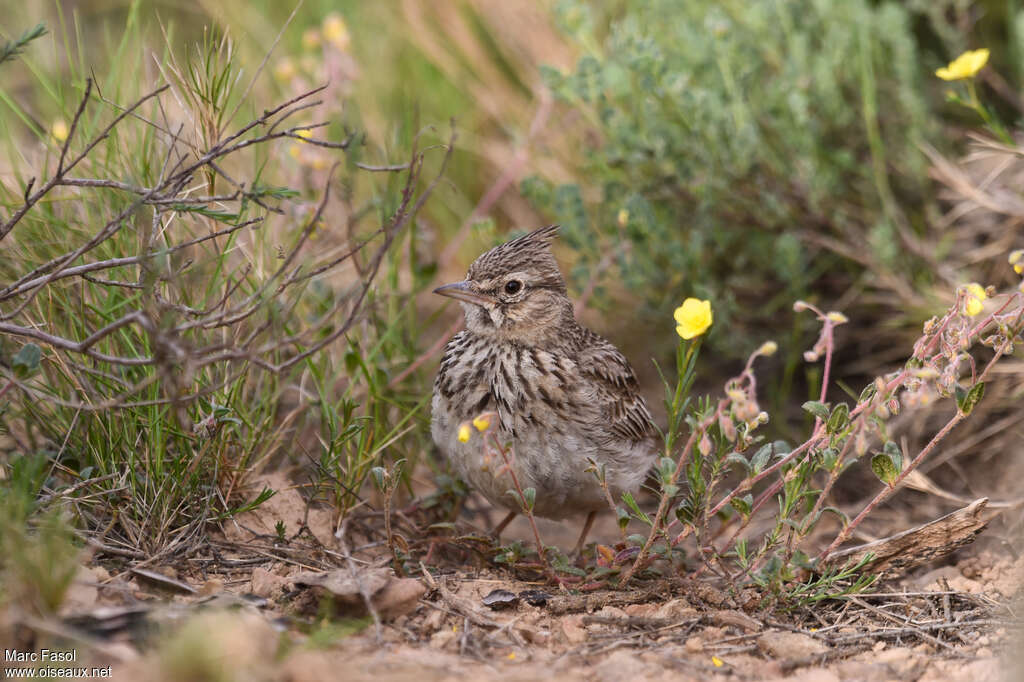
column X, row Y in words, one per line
column 496, row 531
column 583, row 534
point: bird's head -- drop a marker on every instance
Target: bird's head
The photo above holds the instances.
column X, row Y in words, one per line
column 515, row 291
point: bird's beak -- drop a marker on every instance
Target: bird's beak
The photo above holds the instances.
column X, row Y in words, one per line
column 463, row 292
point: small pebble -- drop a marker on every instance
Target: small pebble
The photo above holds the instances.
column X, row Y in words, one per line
column 535, row 597
column 500, row 599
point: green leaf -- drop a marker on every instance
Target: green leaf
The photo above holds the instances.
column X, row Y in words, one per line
column 868, row 393
column 670, row 490
column 26, row 361
column 530, row 497
column 829, row 458
column 839, row 419
column 760, row 458
column 666, row 467
column 765, row 454
column 886, row 467
column 817, row 408
column 966, row 400
column 685, row 512
column 378, row 474
column 623, row 517
column 737, row 458
column 743, row 504
column 627, row 497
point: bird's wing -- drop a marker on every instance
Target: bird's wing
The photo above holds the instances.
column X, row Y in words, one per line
column 616, row 388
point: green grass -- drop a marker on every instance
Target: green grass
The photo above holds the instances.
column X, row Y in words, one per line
column 243, row 300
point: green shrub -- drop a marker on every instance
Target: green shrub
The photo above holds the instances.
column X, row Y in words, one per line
column 747, row 152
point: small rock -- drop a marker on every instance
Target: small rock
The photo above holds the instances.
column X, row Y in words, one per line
column 694, row 645
column 500, row 599
column 573, row 629
column 789, row 645
column 931, row 579
column 737, row 619
column 861, row 670
column 712, row 595
column 442, row 638
column 535, row 597
column 211, row 586
column 267, row 584
column 905, row 663
column 677, row 610
column 640, row 610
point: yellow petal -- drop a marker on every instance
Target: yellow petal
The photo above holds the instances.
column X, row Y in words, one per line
column 966, row 65
column 284, row 70
column 693, row 318
column 837, row 317
column 59, row 130
column 977, row 291
column 336, row 32
column 464, row 433
column 311, row 39
column 717, row 662
column 482, row 422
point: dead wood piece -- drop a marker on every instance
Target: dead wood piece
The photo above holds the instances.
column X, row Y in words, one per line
column 736, row 619
column 916, row 546
column 161, row 581
column 593, row 602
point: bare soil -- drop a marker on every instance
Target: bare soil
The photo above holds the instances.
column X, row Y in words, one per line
column 249, row 605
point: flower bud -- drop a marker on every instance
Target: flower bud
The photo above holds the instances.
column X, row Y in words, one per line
column 704, row 445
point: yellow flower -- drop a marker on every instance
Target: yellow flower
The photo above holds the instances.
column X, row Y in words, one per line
column 482, row 422
column 966, row 65
column 311, row 39
column 336, row 32
column 693, row 318
column 768, row 348
column 717, row 662
column 284, row 70
column 837, row 317
column 464, row 433
column 59, row 130
column 1017, row 261
column 975, row 295
column 623, row 218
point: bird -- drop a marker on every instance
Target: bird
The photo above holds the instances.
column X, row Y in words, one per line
column 565, row 398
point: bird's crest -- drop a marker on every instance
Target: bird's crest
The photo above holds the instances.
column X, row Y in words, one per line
column 531, row 252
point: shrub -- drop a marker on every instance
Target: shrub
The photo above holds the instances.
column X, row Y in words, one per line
column 750, row 153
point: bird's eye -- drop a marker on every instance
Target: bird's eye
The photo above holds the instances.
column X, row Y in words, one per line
column 513, row 286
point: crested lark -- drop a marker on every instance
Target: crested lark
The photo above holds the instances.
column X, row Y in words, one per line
column 563, row 394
